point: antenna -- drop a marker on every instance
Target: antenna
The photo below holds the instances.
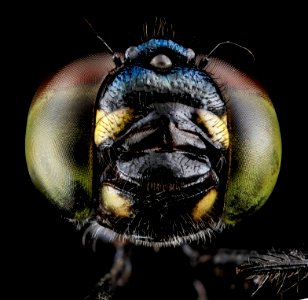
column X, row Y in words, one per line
column 204, row 60
column 232, row 43
column 116, row 58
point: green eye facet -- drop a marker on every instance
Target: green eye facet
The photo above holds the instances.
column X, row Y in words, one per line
column 59, row 144
column 255, row 142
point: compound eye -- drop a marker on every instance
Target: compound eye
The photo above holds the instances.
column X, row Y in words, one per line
column 161, row 61
column 58, row 141
column 131, row 53
column 254, row 142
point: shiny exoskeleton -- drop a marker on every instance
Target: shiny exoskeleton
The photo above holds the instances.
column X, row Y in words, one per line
column 157, row 150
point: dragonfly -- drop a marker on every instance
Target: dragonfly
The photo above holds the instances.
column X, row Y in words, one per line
column 158, row 152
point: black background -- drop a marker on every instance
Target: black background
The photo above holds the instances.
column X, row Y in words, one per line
column 45, row 258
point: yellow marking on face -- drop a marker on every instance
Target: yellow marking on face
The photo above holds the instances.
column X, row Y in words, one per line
column 115, row 202
column 224, row 118
column 216, row 126
column 204, row 205
column 109, row 125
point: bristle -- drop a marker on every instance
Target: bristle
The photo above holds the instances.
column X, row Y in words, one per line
column 281, row 270
column 159, row 28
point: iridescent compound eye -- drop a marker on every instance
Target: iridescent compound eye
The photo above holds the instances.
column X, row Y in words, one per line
column 157, row 151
